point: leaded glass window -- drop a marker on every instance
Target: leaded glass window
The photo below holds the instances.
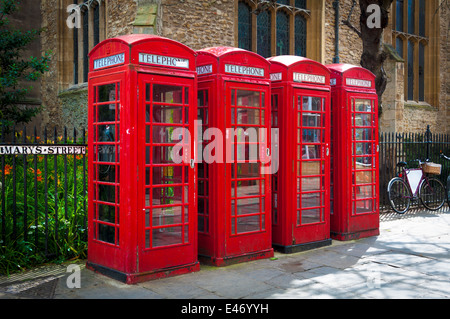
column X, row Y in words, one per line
column 421, row 72
column 245, row 26
column 277, row 25
column 282, row 33
column 300, row 35
column 410, row 70
column 411, row 41
column 264, row 33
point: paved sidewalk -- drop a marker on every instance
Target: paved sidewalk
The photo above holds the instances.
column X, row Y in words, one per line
column 410, row 259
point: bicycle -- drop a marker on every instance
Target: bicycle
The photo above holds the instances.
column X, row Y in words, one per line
column 448, row 181
column 414, row 184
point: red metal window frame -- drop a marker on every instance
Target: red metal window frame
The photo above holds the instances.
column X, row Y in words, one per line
column 259, row 215
column 359, row 186
column 275, row 98
column 203, row 167
column 179, row 190
column 320, row 159
column 100, row 147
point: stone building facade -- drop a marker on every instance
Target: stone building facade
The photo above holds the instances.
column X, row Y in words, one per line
column 205, row 23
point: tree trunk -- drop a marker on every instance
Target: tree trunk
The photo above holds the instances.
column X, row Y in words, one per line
column 373, row 55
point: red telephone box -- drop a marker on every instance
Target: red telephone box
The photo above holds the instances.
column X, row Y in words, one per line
column 234, row 187
column 355, row 153
column 301, row 188
column 142, row 205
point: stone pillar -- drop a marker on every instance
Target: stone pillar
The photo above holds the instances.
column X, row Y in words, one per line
column 393, row 97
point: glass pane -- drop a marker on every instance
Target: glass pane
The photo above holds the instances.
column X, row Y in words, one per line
column 164, row 134
column 167, row 195
column 167, row 114
column 202, row 98
column 410, row 70
column 312, row 200
column 361, row 192
column 363, row 177
column 363, row 163
column 363, row 106
column 107, row 133
column 106, row 193
column 411, row 16
column 107, row 213
column 167, row 216
column 247, row 206
column 248, row 116
column 247, row 134
column 399, row 15
column 311, row 168
column 106, row 93
column 311, row 184
column 282, row 33
column 244, row 26
column 312, row 120
column 311, row 136
column 264, row 33
column 362, row 134
column 106, row 153
column 311, row 151
column 362, row 119
column 166, row 155
column 106, row 233
column 248, row 224
column 301, row 4
column 246, row 188
column 300, row 35
column 167, row 236
column 422, row 18
column 312, row 104
column 365, row 206
column 167, row 175
column 363, row 148
column 248, row 98
column 246, row 170
column 106, row 173
column 167, row 94
column 106, row 113
column 311, row 216
column 421, row 72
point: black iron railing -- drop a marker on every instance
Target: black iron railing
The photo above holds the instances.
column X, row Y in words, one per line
column 407, row 147
column 43, row 194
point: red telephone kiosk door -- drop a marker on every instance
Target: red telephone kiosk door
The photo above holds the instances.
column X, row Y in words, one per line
column 355, row 153
column 234, row 187
column 301, row 187
column 142, row 185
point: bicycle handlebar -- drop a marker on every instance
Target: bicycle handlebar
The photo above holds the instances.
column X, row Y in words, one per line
column 446, row 157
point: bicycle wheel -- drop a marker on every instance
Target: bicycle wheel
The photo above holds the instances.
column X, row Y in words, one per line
column 399, row 195
column 432, row 193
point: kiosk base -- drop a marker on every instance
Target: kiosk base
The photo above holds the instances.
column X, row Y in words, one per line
column 301, row 247
column 144, row 276
column 355, row 235
column 230, row 260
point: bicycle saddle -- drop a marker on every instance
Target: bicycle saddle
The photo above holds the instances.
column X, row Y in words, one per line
column 401, row 164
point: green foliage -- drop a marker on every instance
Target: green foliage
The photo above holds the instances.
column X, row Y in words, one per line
column 14, row 69
column 61, row 235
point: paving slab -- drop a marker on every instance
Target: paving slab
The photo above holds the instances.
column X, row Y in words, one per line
column 409, row 259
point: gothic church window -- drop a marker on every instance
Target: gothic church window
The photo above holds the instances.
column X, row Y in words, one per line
column 413, row 34
column 273, row 28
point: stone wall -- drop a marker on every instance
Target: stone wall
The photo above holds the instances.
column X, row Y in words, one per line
column 350, row 45
column 204, row 23
column 49, row 41
column 199, row 23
